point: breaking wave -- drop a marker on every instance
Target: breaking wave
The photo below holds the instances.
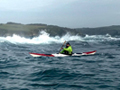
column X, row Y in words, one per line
column 45, row 38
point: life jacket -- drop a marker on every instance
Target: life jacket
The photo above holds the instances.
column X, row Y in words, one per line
column 67, row 50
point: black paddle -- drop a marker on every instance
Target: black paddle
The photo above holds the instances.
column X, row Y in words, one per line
column 62, row 46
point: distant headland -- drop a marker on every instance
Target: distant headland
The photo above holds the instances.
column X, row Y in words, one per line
column 33, row 30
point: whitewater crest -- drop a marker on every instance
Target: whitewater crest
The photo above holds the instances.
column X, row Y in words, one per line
column 45, row 38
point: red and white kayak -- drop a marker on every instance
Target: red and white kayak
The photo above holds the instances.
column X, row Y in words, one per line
column 62, row 55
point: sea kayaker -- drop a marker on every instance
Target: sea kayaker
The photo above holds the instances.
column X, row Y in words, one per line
column 67, row 50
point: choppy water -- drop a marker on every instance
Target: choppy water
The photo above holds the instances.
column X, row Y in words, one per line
column 20, row 71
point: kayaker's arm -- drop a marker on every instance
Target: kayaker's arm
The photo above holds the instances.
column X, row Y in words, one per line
column 67, row 49
column 61, row 51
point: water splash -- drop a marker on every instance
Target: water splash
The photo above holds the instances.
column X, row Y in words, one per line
column 45, row 38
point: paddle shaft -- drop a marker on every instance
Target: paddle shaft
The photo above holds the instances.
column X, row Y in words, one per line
column 62, row 46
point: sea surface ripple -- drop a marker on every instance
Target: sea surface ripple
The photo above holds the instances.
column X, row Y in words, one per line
column 20, row 71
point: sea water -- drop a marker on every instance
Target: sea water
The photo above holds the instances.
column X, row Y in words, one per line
column 20, row 71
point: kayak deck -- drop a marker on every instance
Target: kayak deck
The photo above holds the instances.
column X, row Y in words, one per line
column 62, row 55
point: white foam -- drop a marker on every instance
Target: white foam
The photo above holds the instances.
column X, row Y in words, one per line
column 100, row 38
column 45, row 38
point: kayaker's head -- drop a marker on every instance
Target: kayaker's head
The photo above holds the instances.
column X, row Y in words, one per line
column 67, row 44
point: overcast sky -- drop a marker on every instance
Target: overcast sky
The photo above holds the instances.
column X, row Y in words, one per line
column 65, row 13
